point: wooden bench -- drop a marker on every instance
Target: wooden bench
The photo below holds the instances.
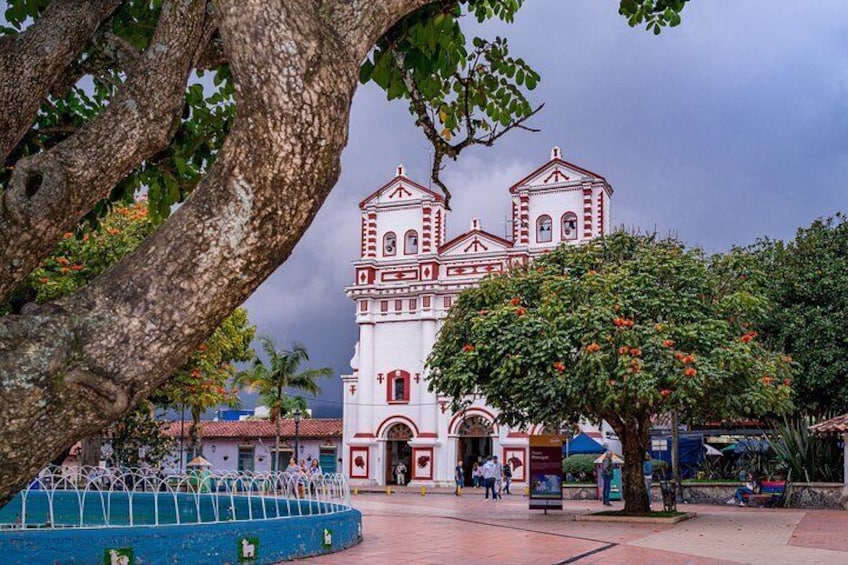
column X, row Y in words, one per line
column 771, row 495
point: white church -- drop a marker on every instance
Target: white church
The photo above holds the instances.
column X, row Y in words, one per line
column 406, row 279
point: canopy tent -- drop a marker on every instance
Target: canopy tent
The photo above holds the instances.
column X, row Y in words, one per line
column 711, row 451
column 580, row 444
column 750, row 446
column 690, row 450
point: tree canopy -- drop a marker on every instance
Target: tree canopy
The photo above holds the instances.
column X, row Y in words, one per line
column 620, row 329
column 808, row 285
column 116, row 105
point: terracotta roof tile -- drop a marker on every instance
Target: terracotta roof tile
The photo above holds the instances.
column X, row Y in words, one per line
column 838, row 424
column 309, row 428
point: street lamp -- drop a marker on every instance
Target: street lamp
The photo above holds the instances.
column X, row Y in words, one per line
column 297, row 416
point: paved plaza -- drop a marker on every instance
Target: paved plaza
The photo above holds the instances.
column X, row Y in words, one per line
column 444, row 529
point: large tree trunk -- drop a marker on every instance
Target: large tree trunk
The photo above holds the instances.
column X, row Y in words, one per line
column 69, row 368
column 634, row 436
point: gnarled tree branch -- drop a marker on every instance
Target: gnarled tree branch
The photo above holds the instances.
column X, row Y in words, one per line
column 32, row 61
column 70, row 367
column 50, row 191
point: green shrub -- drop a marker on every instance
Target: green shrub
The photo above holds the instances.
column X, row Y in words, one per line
column 580, row 467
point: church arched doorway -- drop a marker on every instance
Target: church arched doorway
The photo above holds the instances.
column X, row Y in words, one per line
column 475, row 444
column 398, row 451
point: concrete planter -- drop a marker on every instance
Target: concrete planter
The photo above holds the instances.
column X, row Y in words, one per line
column 801, row 495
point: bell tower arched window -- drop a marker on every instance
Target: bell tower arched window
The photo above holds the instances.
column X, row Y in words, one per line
column 569, row 226
column 389, row 244
column 397, row 391
column 410, row 243
column 544, row 229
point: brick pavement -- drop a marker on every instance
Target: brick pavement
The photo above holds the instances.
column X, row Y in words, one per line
column 443, row 529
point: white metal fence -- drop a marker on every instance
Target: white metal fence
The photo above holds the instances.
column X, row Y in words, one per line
column 95, row 497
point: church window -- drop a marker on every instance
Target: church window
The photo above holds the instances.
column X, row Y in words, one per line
column 398, row 387
column 569, row 226
column 389, row 244
column 543, row 229
column 410, row 245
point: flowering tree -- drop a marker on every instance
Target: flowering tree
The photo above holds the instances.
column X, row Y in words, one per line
column 620, row 329
column 205, row 381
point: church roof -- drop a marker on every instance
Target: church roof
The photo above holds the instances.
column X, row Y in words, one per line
column 476, row 238
column 557, row 170
column 399, row 186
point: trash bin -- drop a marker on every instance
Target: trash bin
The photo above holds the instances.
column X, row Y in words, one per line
column 669, row 495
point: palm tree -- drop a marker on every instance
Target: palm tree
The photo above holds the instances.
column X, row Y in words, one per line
column 272, row 380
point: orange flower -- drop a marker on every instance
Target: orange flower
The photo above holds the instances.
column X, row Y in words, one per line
column 515, row 301
column 678, row 355
column 668, row 343
column 748, row 337
column 665, row 392
column 68, row 235
column 593, row 347
column 43, row 280
column 62, row 260
column 623, row 350
column 787, row 382
column 65, row 270
column 520, row 312
column 77, row 267
column 202, row 347
column 113, row 231
column 592, row 272
column 690, row 372
column 559, row 366
column 767, row 380
column 635, row 352
column 688, row 359
column 467, row 347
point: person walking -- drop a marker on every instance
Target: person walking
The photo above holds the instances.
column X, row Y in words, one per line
column 459, row 477
column 498, row 476
column 507, row 477
column 488, row 470
column 607, row 467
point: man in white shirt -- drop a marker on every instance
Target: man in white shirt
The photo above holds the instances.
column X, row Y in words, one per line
column 489, row 474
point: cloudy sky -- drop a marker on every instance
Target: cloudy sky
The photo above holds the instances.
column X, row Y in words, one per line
column 731, row 127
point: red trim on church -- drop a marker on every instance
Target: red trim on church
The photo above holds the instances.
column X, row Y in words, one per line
column 403, row 179
column 514, row 188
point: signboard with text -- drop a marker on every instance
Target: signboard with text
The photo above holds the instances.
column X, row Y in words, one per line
column 545, row 472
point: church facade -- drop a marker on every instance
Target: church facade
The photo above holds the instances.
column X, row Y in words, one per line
column 406, row 279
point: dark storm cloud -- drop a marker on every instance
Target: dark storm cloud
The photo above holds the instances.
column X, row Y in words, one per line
column 730, row 127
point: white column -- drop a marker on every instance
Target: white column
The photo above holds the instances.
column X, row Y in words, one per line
column 365, row 397
column 428, row 409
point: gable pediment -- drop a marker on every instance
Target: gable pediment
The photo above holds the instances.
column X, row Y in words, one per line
column 474, row 242
column 400, row 190
column 556, row 173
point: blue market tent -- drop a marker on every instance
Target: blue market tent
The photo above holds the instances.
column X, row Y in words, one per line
column 580, row 444
column 690, row 450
